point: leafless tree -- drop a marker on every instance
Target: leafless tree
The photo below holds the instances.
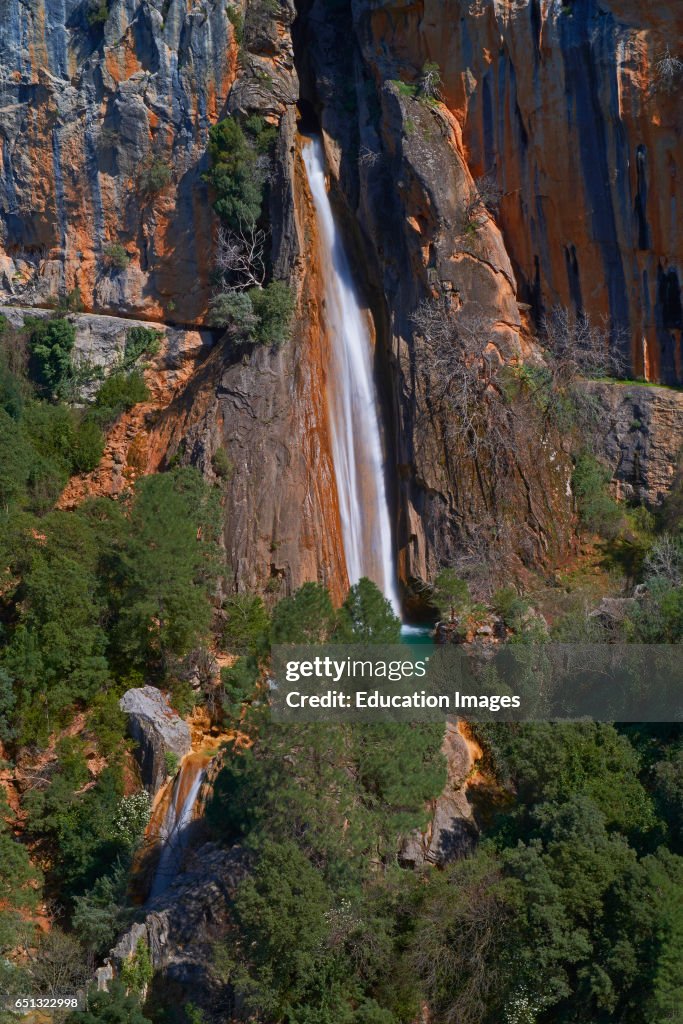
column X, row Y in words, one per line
column 580, row 348
column 368, row 157
column 483, row 198
column 462, row 366
column 460, row 939
column 488, row 191
column 668, row 71
column 61, row 966
column 240, row 256
column 665, row 561
column 430, row 80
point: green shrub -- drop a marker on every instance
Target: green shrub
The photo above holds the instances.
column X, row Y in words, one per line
column 115, row 256
column 247, row 627
column 88, row 446
column 510, row 606
column 183, row 697
column 171, row 763
column 235, row 311
column 450, row 593
column 11, row 396
column 237, row 21
column 155, row 178
column 120, row 392
column 405, row 88
column 261, row 315
column 239, row 686
column 71, row 302
column 367, row 617
column 598, row 510
column 141, row 341
column 50, row 344
column 98, row 12
column 274, row 308
column 261, row 134
column 234, row 175
column 62, row 437
column 222, row 464
column 137, row 971
column 115, row 1006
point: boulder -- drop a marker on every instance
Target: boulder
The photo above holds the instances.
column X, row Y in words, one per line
column 452, row 833
column 180, row 926
column 158, row 730
column 612, row 611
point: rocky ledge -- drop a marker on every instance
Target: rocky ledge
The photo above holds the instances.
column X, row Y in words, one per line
column 158, row 730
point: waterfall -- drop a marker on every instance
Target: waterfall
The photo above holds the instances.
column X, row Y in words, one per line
column 174, row 830
column 352, row 404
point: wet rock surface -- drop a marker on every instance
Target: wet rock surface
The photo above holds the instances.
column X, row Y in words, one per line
column 181, row 926
column 158, row 731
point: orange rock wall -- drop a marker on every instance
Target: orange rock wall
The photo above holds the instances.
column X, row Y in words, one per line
column 565, row 105
column 87, row 110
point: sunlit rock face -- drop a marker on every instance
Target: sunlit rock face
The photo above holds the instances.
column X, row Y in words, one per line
column 89, row 113
column 562, row 104
column 158, row 730
column 568, row 106
column 401, row 179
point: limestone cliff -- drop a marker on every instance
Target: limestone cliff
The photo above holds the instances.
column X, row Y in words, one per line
column 403, row 182
column 104, row 129
column 89, row 113
column 569, row 107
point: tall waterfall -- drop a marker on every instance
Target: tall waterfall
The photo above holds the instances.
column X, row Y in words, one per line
column 174, row 830
column 352, row 403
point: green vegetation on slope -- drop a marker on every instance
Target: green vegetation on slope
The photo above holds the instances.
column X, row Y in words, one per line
column 568, row 911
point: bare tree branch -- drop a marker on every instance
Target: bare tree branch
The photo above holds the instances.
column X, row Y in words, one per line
column 240, row 256
column 580, row 348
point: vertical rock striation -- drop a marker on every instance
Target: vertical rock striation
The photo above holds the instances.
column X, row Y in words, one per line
column 103, row 132
column 568, row 106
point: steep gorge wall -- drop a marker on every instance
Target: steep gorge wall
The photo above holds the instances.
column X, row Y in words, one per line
column 401, row 177
column 564, row 103
column 87, row 111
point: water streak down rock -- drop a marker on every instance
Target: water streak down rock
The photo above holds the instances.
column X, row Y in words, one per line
column 158, row 730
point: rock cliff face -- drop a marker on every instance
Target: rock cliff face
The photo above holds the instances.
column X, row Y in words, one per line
column 90, row 112
column 641, row 433
column 104, row 129
column 569, row 107
column 403, row 184
column 181, row 926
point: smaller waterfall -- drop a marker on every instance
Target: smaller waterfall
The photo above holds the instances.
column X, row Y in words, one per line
column 175, row 829
column 353, row 406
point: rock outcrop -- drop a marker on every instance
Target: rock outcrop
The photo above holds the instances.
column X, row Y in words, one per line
column 181, row 926
column 568, row 107
column 158, row 731
column 640, row 432
column 100, row 344
column 452, row 831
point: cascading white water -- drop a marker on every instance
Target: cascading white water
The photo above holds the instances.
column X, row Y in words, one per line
column 174, row 830
column 352, row 403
